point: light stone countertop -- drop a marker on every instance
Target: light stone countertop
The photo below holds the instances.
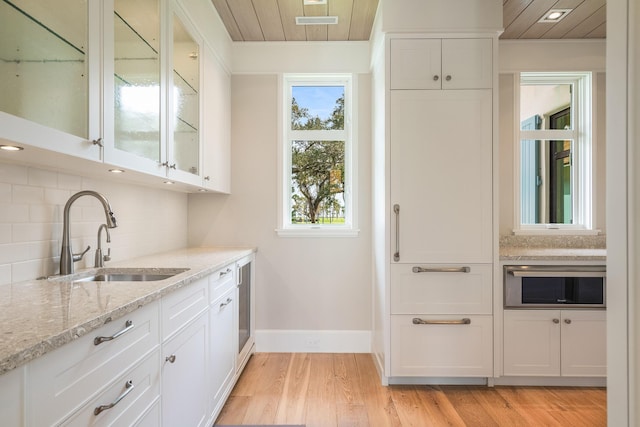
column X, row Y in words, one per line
column 39, row 316
column 552, row 254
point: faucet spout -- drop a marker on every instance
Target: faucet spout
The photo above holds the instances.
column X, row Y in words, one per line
column 67, row 257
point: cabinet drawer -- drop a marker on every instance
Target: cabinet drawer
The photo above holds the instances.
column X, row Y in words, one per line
column 442, row 350
column 220, row 282
column 441, row 289
column 63, row 380
column 144, row 390
column 183, row 305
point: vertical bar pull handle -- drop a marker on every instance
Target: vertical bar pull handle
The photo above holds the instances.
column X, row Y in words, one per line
column 396, row 210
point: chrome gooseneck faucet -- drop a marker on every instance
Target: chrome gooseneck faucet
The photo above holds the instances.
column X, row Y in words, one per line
column 67, row 257
column 100, row 259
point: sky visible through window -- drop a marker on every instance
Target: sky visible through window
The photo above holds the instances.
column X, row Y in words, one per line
column 320, row 100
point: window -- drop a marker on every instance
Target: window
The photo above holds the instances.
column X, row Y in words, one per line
column 555, row 152
column 317, row 197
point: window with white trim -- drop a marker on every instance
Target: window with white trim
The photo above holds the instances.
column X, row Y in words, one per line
column 554, row 171
column 317, row 156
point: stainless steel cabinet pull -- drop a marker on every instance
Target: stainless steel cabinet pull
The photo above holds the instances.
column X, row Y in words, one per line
column 127, row 327
column 436, row 78
column 170, row 359
column 227, row 302
column 419, row 321
column 442, row 270
column 128, row 388
column 556, row 321
column 224, row 273
column 567, row 321
column 396, row 210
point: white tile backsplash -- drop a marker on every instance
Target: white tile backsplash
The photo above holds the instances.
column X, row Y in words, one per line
column 31, row 209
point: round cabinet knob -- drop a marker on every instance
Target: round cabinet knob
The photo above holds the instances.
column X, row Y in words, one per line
column 567, row 321
column 556, row 321
column 170, row 359
column 448, row 78
column 436, row 78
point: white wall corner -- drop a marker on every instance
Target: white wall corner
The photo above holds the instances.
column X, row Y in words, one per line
column 312, row 341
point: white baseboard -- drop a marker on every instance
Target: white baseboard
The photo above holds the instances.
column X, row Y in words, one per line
column 550, row 381
column 311, row 341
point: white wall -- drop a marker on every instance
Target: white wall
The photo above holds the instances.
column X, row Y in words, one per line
column 310, row 291
column 530, row 55
column 31, row 209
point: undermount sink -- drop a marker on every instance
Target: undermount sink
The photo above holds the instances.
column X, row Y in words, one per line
column 130, row 275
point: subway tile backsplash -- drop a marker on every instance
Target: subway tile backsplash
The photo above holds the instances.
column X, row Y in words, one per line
column 31, row 209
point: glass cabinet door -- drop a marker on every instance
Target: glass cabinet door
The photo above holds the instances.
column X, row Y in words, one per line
column 45, row 65
column 137, row 78
column 184, row 143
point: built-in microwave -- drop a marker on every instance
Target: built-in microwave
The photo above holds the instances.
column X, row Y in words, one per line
column 538, row 286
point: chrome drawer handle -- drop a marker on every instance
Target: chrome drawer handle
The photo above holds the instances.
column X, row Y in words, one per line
column 227, row 302
column 419, row 321
column 442, row 270
column 128, row 388
column 396, row 210
column 224, row 273
column 127, row 327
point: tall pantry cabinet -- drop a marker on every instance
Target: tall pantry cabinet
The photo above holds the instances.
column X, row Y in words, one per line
column 434, row 285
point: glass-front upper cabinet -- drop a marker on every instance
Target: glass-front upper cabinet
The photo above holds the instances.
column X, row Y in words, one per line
column 134, row 114
column 47, row 61
column 184, row 99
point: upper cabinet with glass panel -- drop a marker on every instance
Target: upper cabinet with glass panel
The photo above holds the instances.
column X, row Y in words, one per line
column 137, row 78
column 555, row 150
column 45, row 65
column 184, row 146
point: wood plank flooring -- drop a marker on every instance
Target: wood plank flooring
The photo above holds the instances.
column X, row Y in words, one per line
column 324, row 390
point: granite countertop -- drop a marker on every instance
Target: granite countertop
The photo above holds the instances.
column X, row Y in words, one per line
column 552, row 254
column 39, row 316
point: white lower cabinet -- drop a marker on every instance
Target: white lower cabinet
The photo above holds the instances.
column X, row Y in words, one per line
column 223, row 345
column 441, row 345
column 12, row 403
column 569, row 343
column 184, row 376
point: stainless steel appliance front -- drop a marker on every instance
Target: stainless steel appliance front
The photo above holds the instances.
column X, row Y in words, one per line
column 538, row 286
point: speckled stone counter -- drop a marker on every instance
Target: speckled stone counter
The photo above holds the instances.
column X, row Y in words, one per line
column 39, row 316
column 553, row 248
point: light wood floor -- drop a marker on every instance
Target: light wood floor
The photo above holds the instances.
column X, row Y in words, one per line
column 327, row 390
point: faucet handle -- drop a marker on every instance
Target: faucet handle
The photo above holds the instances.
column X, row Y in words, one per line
column 78, row 257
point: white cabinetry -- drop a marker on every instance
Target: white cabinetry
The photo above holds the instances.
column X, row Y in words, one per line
column 555, row 343
column 12, row 402
column 441, row 63
column 441, row 205
column 223, row 336
column 91, row 370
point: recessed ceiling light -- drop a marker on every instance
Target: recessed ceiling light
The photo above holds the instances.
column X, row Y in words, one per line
column 316, row 20
column 554, row 15
column 314, row 2
column 116, row 171
column 169, row 182
column 11, row 148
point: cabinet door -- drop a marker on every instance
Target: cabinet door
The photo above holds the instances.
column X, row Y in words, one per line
column 456, row 348
column 415, row 64
column 217, row 128
column 467, row 64
column 132, row 110
column 532, row 342
column 184, row 156
column 441, row 175
column 12, row 402
column 185, row 390
column 50, row 81
column 222, row 346
column 584, row 343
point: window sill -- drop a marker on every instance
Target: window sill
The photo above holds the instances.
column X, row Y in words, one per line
column 317, row 232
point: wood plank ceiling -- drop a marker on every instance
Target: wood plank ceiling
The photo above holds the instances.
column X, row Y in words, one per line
column 274, row 20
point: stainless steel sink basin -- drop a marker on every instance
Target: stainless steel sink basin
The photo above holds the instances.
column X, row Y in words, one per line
column 130, row 275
